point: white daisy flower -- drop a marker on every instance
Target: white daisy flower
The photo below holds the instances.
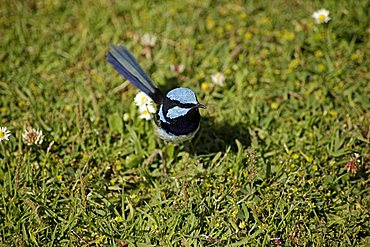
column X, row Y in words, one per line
column 149, row 107
column 145, row 104
column 142, row 99
column 32, row 136
column 4, row 134
column 148, row 40
column 218, row 79
column 146, row 111
column 321, row 16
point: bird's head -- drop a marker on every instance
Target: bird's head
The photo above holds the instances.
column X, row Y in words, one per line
column 179, row 103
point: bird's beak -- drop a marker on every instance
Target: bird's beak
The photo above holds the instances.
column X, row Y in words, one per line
column 198, row 106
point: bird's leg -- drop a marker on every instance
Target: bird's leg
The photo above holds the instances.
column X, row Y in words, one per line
column 155, row 153
column 164, row 159
column 192, row 147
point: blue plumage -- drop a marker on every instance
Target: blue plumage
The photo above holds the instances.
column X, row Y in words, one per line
column 176, row 112
column 178, row 117
column 123, row 61
column 183, row 95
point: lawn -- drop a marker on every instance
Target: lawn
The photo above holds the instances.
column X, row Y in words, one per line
column 282, row 157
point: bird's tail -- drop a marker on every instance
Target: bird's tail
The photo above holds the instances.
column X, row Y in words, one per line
column 125, row 63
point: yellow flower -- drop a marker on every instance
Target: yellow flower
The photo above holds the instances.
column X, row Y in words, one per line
column 210, row 23
column 243, row 16
column 229, row 26
column 242, row 224
column 333, row 113
column 205, row 86
column 321, row 67
column 118, row 165
column 295, row 156
column 119, row 219
column 293, row 64
column 274, row 105
column 354, row 56
column 318, row 53
column 248, row 36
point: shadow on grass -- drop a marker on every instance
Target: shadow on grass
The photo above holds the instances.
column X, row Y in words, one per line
column 218, row 137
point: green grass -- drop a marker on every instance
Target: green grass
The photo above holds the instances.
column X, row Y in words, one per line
column 270, row 159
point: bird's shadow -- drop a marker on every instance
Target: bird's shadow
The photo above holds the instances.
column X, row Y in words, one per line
column 215, row 137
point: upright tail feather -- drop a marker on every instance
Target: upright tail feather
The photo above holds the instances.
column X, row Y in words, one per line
column 125, row 63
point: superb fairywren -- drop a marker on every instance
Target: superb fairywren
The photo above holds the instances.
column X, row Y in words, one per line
column 177, row 118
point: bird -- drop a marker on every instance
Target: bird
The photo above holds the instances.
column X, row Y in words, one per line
column 177, row 118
